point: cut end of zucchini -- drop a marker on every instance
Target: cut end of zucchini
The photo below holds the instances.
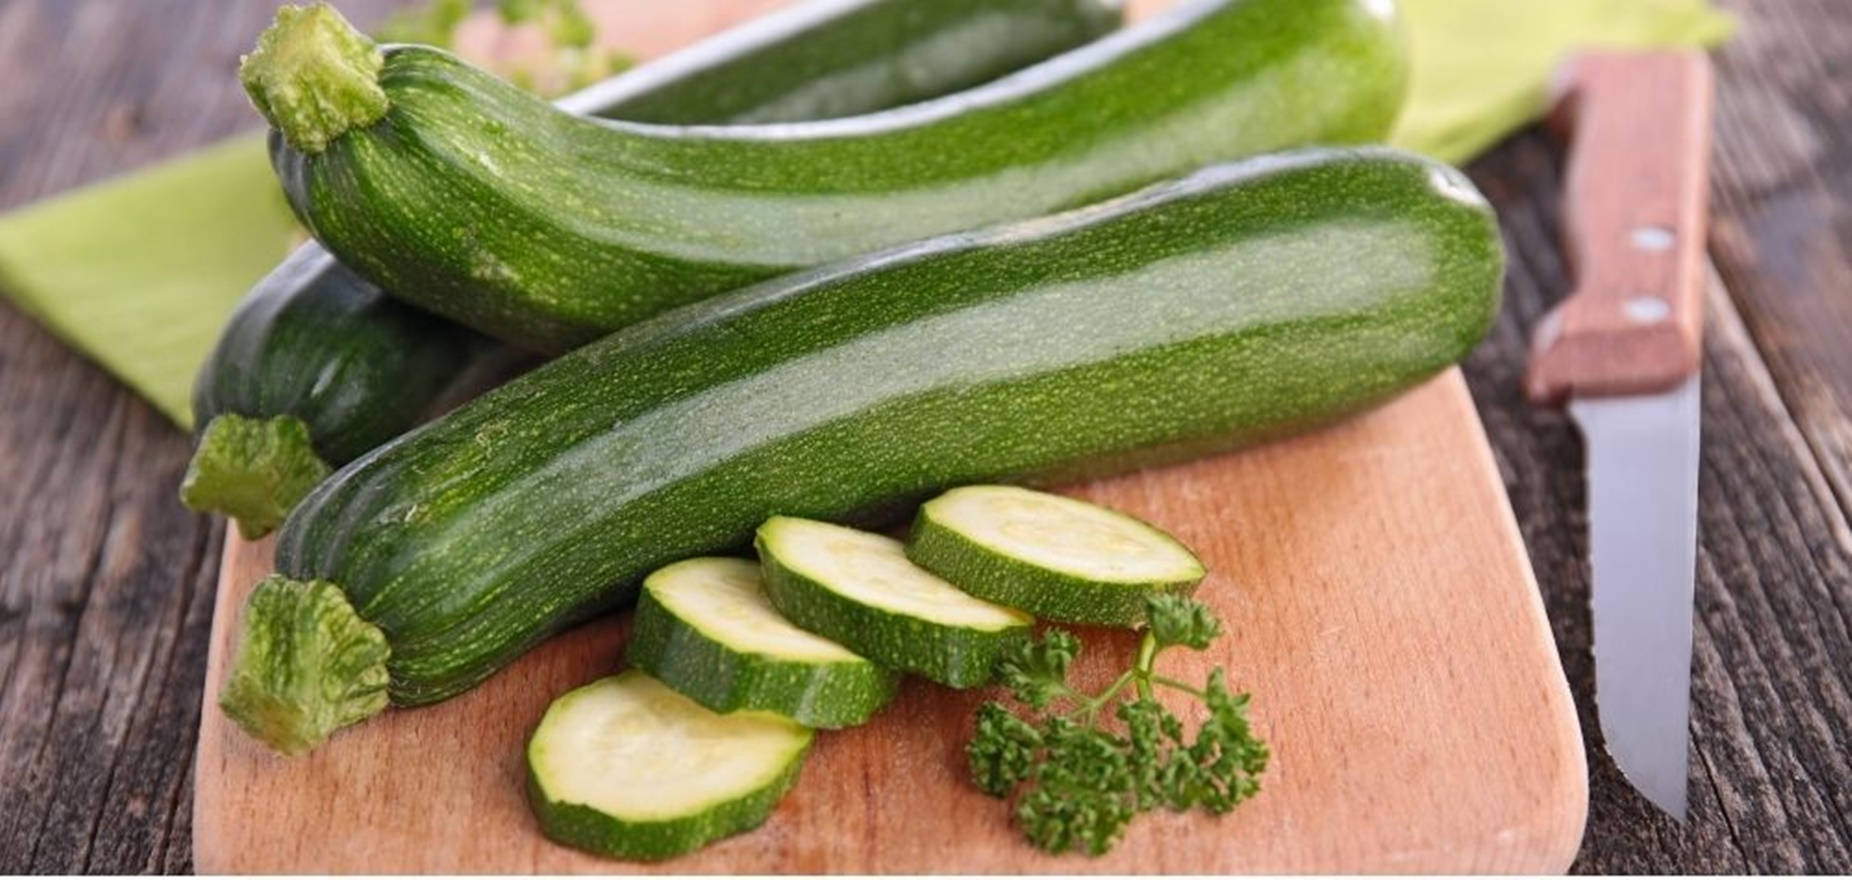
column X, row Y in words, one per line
column 726, row 601
column 314, row 77
column 307, row 665
column 253, row 470
column 1055, row 557
column 626, row 767
column 873, row 570
column 858, row 589
column 706, row 628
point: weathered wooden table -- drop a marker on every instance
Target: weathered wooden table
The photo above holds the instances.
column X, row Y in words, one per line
column 105, row 582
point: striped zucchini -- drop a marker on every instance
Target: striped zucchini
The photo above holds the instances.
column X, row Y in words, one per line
column 318, row 365
column 1243, row 302
column 480, row 202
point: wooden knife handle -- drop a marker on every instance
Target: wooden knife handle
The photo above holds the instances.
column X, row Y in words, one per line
column 1635, row 209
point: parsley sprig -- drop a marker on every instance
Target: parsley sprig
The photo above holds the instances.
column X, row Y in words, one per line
column 1081, row 781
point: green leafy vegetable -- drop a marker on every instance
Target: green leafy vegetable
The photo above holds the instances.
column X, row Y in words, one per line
column 1082, row 782
column 433, row 24
column 574, row 61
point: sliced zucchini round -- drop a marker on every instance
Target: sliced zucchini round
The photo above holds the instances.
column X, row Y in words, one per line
column 627, row 767
column 705, row 628
column 1055, row 557
column 859, row 589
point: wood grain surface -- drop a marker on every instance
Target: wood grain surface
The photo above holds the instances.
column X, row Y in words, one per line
column 106, row 583
column 1383, row 614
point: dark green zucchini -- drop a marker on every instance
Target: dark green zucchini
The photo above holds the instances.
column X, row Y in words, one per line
column 480, row 202
column 318, row 365
column 1241, row 303
column 830, row 58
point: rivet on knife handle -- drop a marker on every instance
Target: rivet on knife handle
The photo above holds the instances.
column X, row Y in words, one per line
column 1634, row 204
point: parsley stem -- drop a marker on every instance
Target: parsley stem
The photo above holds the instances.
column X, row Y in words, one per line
column 1178, row 685
column 1091, row 707
column 1147, row 657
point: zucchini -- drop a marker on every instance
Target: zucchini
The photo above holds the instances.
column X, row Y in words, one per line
column 705, row 628
column 1265, row 297
column 480, row 202
column 1055, row 557
column 858, row 588
column 831, row 58
column 626, row 767
column 318, row 365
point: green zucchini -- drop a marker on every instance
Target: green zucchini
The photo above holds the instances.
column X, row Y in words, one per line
column 318, row 365
column 626, row 767
column 1241, row 303
column 829, row 58
column 480, row 202
column 859, row 589
column 1055, row 557
column 705, row 628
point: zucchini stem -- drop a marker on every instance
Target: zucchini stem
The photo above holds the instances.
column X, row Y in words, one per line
column 314, row 76
column 253, row 470
column 307, row 665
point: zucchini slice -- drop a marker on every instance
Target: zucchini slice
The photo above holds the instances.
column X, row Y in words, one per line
column 1052, row 556
column 705, row 628
column 627, row 767
column 859, row 589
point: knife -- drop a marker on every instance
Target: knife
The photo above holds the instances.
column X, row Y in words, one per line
column 1622, row 351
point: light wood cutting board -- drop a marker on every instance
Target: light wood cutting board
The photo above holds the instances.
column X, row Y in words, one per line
column 1383, row 614
column 1382, row 609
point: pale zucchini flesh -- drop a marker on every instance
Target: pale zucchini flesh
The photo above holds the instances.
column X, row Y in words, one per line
column 1055, row 557
column 859, row 589
column 627, row 767
column 705, row 627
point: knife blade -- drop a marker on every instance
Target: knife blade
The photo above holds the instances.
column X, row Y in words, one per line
column 1623, row 352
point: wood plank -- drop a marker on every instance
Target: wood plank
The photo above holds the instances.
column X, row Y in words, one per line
column 1382, row 613
column 1773, row 658
column 106, row 583
column 1782, row 223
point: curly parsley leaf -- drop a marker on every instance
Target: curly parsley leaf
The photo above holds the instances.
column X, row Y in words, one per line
column 1079, row 783
column 1035, row 670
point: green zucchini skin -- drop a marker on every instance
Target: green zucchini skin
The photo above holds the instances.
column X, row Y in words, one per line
column 823, row 695
column 1244, row 302
column 479, row 202
column 582, row 827
column 315, row 341
column 318, row 344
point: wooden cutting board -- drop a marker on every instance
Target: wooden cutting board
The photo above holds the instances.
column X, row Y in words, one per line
column 1382, row 609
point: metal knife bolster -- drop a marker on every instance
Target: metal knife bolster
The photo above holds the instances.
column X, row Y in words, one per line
column 1623, row 350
